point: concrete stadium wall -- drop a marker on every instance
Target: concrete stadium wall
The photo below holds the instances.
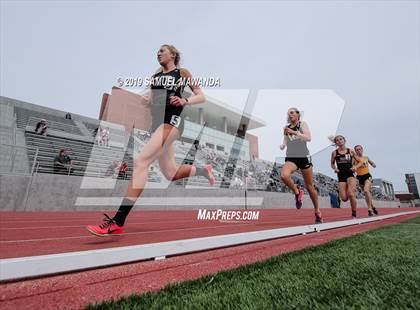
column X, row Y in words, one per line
column 44, row 192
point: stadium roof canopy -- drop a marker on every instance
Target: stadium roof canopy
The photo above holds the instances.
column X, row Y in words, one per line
column 405, row 196
column 216, row 108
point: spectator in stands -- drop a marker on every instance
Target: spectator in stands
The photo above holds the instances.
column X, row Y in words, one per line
column 105, row 137
column 98, row 135
column 123, row 171
column 113, row 169
column 333, row 200
column 338, row 198
column 223, row 183
column 68, row 115
column 98, row 139
column 41, row 127
column 248, row 182
column 142, row 135
column 238, row 184
column 271, row 186
column 63, row 163
column 153, row 175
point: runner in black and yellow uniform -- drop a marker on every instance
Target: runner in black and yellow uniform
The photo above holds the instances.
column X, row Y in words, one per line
column 364, row 177
column 167, row 104
column 342, row 164
column 296, row 135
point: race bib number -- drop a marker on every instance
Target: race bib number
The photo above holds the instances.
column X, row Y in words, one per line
column 175, row 120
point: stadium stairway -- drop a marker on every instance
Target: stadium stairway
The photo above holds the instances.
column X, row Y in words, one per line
column 7, row 124
column 13, row 151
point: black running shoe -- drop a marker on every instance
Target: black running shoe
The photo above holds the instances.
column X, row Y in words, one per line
column 375, row 211
column 354, row 215
column 370, row 213
column 318, row 219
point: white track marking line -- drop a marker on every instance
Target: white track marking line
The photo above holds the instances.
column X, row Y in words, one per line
column 124, row 234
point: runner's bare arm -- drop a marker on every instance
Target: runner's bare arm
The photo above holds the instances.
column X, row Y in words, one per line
column 305, row 135
column 198, row 96
column 284, row 144
column 371, row 163
column 333, row 166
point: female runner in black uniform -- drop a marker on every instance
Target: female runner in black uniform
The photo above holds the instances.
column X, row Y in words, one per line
column 342, row 164
column 296, row 136
column 167, row 126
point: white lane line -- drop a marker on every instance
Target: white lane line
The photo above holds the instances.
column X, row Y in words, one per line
column 160, row 222
column 131, row 223
column 125, row 234
column 172, row 201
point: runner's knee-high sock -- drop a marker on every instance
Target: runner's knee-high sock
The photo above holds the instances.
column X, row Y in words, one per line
column 123, row 211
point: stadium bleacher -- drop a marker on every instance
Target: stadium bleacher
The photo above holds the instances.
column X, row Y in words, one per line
column 23, row 115
column 88, row 159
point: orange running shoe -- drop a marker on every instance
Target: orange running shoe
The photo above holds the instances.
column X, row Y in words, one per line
column 299, row 199
column 107, row 228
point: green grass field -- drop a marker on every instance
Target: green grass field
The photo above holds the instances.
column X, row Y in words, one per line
column 379, row 269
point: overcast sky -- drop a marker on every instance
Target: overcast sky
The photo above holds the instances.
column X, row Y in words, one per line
column 65, row 55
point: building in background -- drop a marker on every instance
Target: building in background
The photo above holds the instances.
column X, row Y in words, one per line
column 385, row 187
column 226, row 126
column 413, row 183
column 411, row 198
column 406, row 199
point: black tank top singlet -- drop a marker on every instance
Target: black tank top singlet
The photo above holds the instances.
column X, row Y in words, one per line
column 344, row 161
column 296, row 147
column 165, row 85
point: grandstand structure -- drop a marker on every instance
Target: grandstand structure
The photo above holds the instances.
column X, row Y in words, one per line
column 413, row 183
column 24, row 152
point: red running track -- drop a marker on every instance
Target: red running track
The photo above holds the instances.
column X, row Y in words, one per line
column 76, row 290
column 40, row 233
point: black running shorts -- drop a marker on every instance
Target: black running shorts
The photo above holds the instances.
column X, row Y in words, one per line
column 344, row 175
column 362, row 178
column 171, row 118
column 301, row 162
